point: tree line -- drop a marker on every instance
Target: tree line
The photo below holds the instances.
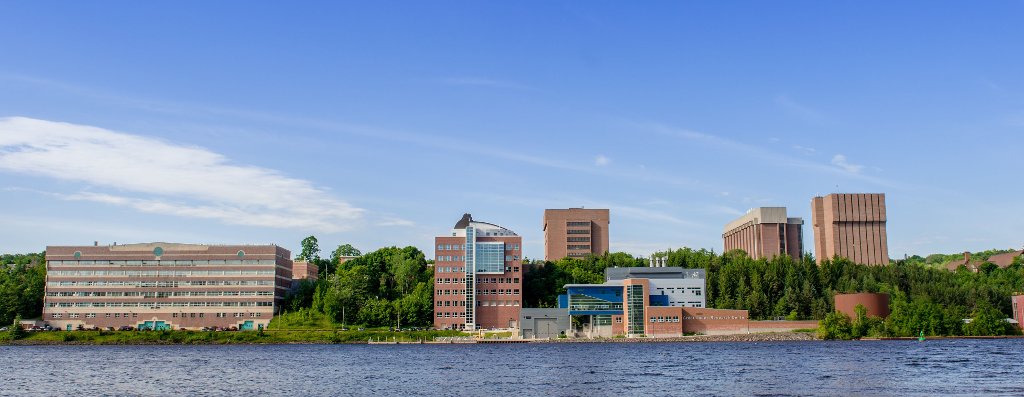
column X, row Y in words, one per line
column 386, row 287
column 22, row 282
column 922, row 298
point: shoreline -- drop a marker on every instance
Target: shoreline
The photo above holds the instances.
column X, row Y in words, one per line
column 735, row 338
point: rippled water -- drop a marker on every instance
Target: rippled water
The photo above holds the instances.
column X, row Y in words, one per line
column 883, row 368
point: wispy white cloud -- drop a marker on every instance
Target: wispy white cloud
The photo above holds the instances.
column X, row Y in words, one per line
column 602, row 160
column 800, row 110
column 840, row 161
column 485, row 82
column 805, row 150
column 771, row 156
column 155, row 176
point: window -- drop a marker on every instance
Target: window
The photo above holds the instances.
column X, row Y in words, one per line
column 618, row 319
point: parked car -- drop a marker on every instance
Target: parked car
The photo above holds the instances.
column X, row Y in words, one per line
column 3, row 329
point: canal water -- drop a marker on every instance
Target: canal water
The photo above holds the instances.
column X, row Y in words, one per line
column 870, row 368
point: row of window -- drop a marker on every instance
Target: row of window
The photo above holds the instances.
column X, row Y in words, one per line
column 447, row 269
column 161, row 273
column 578, row 247
column 163, row 263
column 461, row 258
column 497, row 303
column 158, row 304
column 160, row 284
column 578, row 239
column 499, row 280
column 136, row 315
column 694, row 292
column 147, row 294
column 578, row 231
column 498, row 292
column 488, row 280
column 478, row 303
column 451, row 292
column 577, row 224
column 457, row 247
column 665, row 319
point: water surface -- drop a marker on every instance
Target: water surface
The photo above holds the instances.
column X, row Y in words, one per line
column 870, row 368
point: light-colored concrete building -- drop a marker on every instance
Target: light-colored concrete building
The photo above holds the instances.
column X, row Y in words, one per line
column 765, row 232
column 575, row 233
column 165, row 285
column 543, row 323
column 852, row 226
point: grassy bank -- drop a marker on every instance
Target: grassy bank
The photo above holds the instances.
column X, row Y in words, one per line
column 220, row 338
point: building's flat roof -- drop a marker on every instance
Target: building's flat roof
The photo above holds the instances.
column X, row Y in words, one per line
column 622, row 273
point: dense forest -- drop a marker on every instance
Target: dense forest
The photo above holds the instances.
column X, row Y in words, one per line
column 22, row 279
column 382, row 288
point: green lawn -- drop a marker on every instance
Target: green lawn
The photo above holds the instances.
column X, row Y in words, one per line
column 223, row 337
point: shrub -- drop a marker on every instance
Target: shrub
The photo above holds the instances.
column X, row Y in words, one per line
column 836, row 325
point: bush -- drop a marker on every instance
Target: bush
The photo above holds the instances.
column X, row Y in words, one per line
column 836, row 325
column 16, row 331
column 988, row 321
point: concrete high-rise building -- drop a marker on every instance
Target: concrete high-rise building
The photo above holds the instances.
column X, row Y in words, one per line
column 764, row 233
column 478, row 278
column 852, row 226
column 165, row 285
column 575, row 233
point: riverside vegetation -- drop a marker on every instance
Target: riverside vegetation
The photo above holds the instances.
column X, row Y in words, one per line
column 394, row 286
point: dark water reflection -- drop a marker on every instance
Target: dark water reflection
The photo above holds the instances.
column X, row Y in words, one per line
column 886, row 368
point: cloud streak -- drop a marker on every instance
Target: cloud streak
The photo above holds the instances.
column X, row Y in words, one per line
column 840, row 161
column 485, row 82
column 800, row 111
column 154, row 176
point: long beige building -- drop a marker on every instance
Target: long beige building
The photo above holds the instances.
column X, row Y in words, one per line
column 764, row 233
column 852, row 226
column 575, row 232
column 165, row 285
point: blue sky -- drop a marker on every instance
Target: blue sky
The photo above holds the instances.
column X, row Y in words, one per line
column 381, row 123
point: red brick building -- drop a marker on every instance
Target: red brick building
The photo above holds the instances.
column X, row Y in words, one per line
column 575, row 233
column 850, row 226
column 876, row 305
column 478, row 276
column 764, row 233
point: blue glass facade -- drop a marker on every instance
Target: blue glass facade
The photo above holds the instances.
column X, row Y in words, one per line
column 490, row 257
column 594, row 300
